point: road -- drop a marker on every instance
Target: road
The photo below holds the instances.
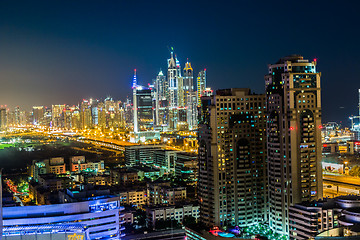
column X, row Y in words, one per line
column 337, row 185
column 342, row 179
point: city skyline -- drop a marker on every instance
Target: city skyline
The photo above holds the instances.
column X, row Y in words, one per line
column 188, row 120
column 72, row 51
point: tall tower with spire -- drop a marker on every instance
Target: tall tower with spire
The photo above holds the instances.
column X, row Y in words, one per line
column 134, row 85
column 190, row 97
column 160, row 98
column 173, row 82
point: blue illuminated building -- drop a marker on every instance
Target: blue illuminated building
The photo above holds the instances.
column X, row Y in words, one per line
column 96, row 219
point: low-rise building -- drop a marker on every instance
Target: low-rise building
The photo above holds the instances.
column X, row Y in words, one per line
column 134, row 198
column 123, row 176
column 308, row 220
column 52, row 182
column 103, row 180
column 186, row 166
column 98, row 219
column 141, row 154
column 78, row 164
column 165, row 213
column 55, row 165
column 161, row 192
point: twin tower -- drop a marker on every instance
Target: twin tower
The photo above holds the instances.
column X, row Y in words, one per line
column 259, row 154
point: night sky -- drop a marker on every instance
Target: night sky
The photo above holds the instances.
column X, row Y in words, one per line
column 56, row 52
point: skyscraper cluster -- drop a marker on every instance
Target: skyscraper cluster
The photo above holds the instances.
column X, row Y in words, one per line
column 87, row 114
column 259, row 154
column 170, row 102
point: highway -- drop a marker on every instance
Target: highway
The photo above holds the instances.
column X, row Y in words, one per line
column 343, row 180
column 337, row 185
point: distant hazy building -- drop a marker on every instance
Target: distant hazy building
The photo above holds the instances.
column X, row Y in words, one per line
column 3, row 118
column 85, row 114
column 232, row 182
column 57, row 116
column 293, row 102
column 38, row 115
column 201, row 85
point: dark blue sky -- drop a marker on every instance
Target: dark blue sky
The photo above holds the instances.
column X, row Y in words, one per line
column 54, row 52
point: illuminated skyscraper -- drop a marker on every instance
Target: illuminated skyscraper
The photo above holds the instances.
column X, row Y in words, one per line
column 75, row 117
column 143, row 107
column 160, row 92
column 172, row 79
column 3, row 118
column 190, row 97
column 38, row 115
column 57, row 116
column 101, row 114
column 232, row 153
column 201, row 85
column 293, row 137
column 85, row 114
column 134, row 86
column 17, row 116
column 68, row 112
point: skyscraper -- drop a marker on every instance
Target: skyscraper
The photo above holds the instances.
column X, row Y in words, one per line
column 85, row 114
column 190, row 96
column 232, row 152
column 173, row 78
column 201, row 85
column 38, row 115
column 17, row 116
column 293, row 137
column 143, row 107
column 3, row 118
column 160, row 99
column 57, row 116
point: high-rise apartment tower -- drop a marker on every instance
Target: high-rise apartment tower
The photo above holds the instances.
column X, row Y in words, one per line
column 293, row 137
column 232, row 159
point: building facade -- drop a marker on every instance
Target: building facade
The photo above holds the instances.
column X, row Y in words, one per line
column 232, row 159
column 100, row 217
column 293, row 103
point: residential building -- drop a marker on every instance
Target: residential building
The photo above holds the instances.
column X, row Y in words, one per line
column 293, row 101
column 232, row 183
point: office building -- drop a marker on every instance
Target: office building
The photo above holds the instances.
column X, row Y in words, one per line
column 232, row 153
column 293, row 126
column 165, row 160
column 96, row 219
column 144, row 109
column 140, row 155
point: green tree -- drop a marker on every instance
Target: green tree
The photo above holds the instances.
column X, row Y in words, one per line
column 355, row 171
column 189, row 221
